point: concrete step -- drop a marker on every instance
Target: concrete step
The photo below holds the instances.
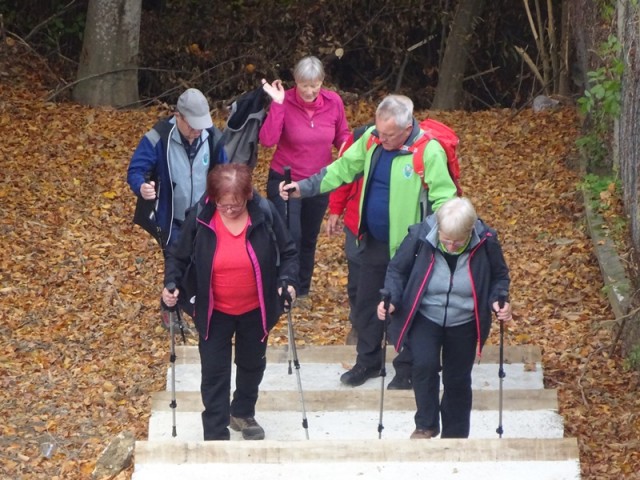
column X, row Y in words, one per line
column 343, row 425
column 361, row 424
column 321, row 368
column 358, row 399
column 497, row 459
column 527, row 354
column 356, row 414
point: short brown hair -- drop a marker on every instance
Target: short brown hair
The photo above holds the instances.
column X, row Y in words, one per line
column 230, row 178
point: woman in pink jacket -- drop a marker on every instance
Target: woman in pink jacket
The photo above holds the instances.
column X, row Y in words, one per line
column 305, row 122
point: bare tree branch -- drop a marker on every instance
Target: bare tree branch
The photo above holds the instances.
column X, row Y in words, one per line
column 35, row 29
column 525, row 56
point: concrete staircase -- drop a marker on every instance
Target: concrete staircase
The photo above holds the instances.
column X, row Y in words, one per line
column 343, row 426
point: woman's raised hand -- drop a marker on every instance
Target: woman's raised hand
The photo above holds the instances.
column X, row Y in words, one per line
column 275, row 90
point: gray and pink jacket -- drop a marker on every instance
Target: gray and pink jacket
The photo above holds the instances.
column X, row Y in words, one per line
column 412, row 269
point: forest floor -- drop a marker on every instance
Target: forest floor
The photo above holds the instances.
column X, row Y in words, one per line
column 81, row 346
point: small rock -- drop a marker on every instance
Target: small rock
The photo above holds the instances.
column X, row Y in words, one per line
column 116, row 457
column 542, row 102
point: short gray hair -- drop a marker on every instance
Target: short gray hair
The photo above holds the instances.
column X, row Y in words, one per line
column 398, row 107
column 456, row 217
column 308, row 69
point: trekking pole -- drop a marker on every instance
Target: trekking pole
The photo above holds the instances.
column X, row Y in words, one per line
column 501, row 373
column 287, row 180
column 386, row 298
column 294, row 354
column 172, row 359
column 293, row 351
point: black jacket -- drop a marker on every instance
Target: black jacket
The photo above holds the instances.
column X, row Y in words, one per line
column 410, row 270
column 269, row 242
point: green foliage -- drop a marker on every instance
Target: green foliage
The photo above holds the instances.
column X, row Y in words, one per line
column 607, row 9
column 61, row 28
column 601, row 101
column 596, row 185
column 632, row 362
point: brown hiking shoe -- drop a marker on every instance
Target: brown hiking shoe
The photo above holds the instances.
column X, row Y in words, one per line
column 424, row 433
column 250, row 429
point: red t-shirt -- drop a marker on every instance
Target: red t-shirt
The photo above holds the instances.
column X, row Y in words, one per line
column 233, row 281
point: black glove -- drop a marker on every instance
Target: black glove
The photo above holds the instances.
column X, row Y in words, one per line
column 285, row 298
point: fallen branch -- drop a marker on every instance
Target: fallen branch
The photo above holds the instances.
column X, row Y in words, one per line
column 584, row 370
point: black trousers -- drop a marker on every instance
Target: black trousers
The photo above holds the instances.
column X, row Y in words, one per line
column 353, row 252
column 373, row 268
column 456, row 347
column 305, row 220
column 215, row 359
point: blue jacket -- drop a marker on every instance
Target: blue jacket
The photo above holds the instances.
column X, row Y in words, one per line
column 150, row 162
column 410, row 270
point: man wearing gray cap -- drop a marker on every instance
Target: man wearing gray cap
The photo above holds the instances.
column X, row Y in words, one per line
column 168, row 170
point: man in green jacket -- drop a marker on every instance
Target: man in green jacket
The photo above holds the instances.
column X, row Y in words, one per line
column 393, row 198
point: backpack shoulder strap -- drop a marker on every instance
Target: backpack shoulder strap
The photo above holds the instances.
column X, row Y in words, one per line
column 216, row 147
column 268, row 216
column 418, row 148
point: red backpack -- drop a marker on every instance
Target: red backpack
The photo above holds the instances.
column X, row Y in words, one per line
column 446, row 137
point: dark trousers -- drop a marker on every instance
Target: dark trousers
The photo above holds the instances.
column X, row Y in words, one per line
column 305, row 220
column 353, row 252
column 373, row 268
column 456, row 346
column 215, row 359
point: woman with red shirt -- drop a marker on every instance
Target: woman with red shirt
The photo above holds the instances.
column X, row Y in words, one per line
column 242, row 255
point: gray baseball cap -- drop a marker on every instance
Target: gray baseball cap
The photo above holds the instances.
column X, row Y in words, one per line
column 194, row 107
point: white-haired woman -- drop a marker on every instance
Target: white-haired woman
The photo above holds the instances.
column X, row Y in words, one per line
column 305, row 122
column 445, row 281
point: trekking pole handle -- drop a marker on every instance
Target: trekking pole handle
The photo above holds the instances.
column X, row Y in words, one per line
column 287, row 178
column 171, row 287
column 386, row 299
column 501, row 301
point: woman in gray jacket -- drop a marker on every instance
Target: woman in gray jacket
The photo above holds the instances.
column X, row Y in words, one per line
column 445, row 280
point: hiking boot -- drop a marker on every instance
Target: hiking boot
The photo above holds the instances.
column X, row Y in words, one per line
column 424, row 433
column 358, row 375
column 352, row 337
column 400, row 382
column 250, row 429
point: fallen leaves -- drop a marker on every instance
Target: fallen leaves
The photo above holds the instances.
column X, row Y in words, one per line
column 81, row 346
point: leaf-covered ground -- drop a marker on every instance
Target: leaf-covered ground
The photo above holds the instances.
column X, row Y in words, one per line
column 81, row 347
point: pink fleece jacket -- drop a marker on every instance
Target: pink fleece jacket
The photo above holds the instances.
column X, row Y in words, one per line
column 304, row 137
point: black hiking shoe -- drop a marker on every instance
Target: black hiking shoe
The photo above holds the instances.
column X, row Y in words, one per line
column 400, row 383
column 358, row 375
column 250, row 429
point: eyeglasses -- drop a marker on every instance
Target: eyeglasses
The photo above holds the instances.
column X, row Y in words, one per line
column 453, row 243
column 233, row 208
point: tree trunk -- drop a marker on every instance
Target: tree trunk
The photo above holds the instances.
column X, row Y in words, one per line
column 449, row 93
column 564, row 87
column 628, row 141
column 107, row 72
column 629, row 131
